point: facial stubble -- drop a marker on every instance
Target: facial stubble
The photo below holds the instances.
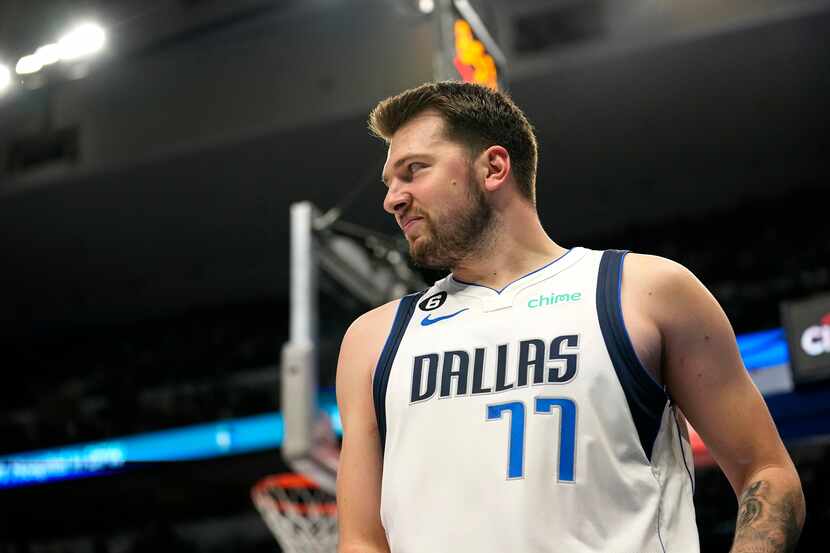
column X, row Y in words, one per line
column 457, row 235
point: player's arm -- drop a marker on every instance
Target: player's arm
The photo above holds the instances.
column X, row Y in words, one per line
column 359, row 470
column 706, row 377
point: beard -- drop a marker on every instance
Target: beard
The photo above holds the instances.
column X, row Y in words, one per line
column 455, row 235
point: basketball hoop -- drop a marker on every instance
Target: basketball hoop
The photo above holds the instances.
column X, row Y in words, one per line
column 301, row 516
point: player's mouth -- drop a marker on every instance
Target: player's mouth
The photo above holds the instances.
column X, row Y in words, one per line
column 410, row 224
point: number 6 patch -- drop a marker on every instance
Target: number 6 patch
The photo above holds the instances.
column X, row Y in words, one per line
column 433, row 302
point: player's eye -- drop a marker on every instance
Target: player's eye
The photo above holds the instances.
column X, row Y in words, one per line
column 415, row 166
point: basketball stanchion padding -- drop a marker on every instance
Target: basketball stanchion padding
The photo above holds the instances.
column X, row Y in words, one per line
column 301, row 516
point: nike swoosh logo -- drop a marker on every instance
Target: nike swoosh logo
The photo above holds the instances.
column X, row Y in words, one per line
column 426, row 321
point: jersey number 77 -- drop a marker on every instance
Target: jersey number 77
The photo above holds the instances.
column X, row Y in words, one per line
column 516, row 440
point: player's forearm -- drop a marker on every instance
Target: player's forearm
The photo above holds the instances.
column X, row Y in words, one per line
column 770, row 513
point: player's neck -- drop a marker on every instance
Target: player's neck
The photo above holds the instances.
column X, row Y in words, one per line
column 516, row 249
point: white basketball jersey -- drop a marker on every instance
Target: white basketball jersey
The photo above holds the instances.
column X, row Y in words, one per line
column 521, row 420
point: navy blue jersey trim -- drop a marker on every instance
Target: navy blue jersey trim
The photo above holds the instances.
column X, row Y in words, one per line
column 515, row 281
column 645, row 397
column 406, row 308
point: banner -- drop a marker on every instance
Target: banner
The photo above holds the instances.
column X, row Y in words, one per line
column 807, row 324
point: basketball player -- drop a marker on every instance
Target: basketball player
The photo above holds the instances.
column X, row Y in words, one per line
column 535, row 399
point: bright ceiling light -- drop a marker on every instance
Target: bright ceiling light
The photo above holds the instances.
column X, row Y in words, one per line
column 48, row 54
column 82, row 41
column 5, row 78
column 28, row 64
column 426, row 6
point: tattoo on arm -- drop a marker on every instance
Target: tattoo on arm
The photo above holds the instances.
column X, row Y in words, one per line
column 767, row 523
column 750, row 507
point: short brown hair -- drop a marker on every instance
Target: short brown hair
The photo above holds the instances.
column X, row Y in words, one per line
column 475, row 116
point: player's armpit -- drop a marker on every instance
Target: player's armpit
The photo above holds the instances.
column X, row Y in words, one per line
column 705, row 375
column 359, row 470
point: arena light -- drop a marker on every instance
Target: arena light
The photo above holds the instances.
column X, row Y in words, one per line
column 48, row 54
column 28, row 65
column 84, row 40
column 426, row 6
column 5, row 78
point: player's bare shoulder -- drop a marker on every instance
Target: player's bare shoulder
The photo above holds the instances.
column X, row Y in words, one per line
column 359, row 353
column 653, row 270
column 364, row 339
column 648, row 296
column 657, row 284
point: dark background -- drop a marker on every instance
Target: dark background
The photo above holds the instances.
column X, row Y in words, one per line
column 144, row 211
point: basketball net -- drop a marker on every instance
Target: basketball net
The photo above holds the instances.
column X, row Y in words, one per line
column 301, row 516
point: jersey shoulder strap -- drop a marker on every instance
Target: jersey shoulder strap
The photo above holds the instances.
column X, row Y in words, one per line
column 645, row 397
column 406, row 308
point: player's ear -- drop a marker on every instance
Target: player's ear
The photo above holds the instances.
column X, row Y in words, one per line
column 495, row 163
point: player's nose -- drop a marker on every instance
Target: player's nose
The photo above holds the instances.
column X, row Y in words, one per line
column 396, row 200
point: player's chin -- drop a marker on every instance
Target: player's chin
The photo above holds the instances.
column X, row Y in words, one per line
column 417, row 241
column 419, row 251
column 416, row 246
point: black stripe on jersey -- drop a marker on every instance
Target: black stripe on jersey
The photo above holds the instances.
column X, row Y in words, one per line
column 406, row 308
column 646, row 399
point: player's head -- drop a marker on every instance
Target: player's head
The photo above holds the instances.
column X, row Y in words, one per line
column 444, row 134
column 475, row 116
